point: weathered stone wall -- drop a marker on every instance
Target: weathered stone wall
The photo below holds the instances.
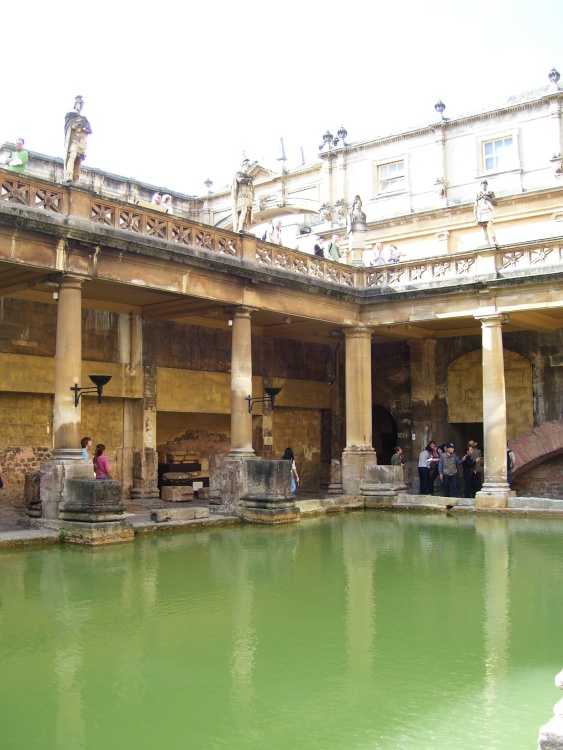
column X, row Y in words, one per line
column 465, row 391
column 300, row 429
column 545, row 480
column 391, row 388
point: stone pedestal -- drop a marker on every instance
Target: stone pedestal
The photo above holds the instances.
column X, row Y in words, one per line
column 54, row 475
column 335, row 487
column 92, row 500
column 357, row 247
column 267, row 494
column 89, row 511
column 355, row 461
column 381, row 486
column 145, row 478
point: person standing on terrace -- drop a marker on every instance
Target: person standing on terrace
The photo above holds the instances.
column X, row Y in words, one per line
column 16, row 160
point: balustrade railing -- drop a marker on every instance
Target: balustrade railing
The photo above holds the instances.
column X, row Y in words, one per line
column 43, row 195
column 17, row 189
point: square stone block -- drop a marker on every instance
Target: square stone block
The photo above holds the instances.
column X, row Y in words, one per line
column 177, row 494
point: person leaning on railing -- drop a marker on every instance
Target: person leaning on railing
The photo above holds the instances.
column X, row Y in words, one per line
column 16, row 160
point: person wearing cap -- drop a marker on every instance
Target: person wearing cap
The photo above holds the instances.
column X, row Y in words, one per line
column 447, row 469
column 477, row 472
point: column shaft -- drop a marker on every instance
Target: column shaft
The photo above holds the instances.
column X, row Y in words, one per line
column 494, row 413
column 241, row 384
column 68, row 368
column 358, row 387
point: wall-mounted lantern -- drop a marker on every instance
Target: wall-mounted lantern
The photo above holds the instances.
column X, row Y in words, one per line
column 270, row 397
column 99, row 382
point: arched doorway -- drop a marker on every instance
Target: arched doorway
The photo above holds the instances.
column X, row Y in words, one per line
column 384, row 431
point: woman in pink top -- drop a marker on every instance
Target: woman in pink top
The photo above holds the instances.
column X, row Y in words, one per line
column 101, row 464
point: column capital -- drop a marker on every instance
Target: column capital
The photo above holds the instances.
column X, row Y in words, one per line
column 70, row 281
column 358, row 331
column 492, row 319
column 242, row 311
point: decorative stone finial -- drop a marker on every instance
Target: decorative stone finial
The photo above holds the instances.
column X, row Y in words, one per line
column 440, row 107
column 554, row 76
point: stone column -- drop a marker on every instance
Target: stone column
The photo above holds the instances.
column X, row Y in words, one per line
column 66, row 462
column 68, row 369
column 241, row 385
column 495, row 490
column 359, row 449
column 144, row 335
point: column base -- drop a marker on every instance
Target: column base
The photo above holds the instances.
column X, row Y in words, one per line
column 68, row 454
column 493, row 495
column 354, row 462
column 242, row 453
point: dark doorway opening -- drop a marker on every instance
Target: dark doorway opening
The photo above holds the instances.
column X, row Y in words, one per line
column 384, row 432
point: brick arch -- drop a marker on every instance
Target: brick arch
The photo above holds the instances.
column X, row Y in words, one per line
column 539, row 445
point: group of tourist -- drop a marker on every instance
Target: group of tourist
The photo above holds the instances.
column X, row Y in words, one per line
column 442, row 461
column 333, row 251
column 163, row 200
column 101, row 464
column 393, row 255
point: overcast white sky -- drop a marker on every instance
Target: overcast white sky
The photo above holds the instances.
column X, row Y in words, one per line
column 176, row 91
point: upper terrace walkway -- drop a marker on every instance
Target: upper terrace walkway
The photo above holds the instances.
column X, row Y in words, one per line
column 523, row 258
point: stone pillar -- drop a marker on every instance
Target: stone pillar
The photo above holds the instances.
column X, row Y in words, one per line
column 68, row 369
column 357, row 247
column 359, row 450
column 66, row 462
column 495, row 490
column 241, row 385
column 145, row 458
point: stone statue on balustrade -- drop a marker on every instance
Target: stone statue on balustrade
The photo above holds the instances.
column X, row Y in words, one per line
column 356, row 217
column 483, row 211
column 243, row 198
column 77, row 129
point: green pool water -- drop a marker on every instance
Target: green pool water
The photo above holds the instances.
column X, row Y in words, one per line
column 370, row 630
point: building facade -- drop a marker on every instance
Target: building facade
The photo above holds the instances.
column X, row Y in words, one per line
column 459, row 340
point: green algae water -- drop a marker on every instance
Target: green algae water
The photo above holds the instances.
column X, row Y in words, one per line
column 360, row 632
